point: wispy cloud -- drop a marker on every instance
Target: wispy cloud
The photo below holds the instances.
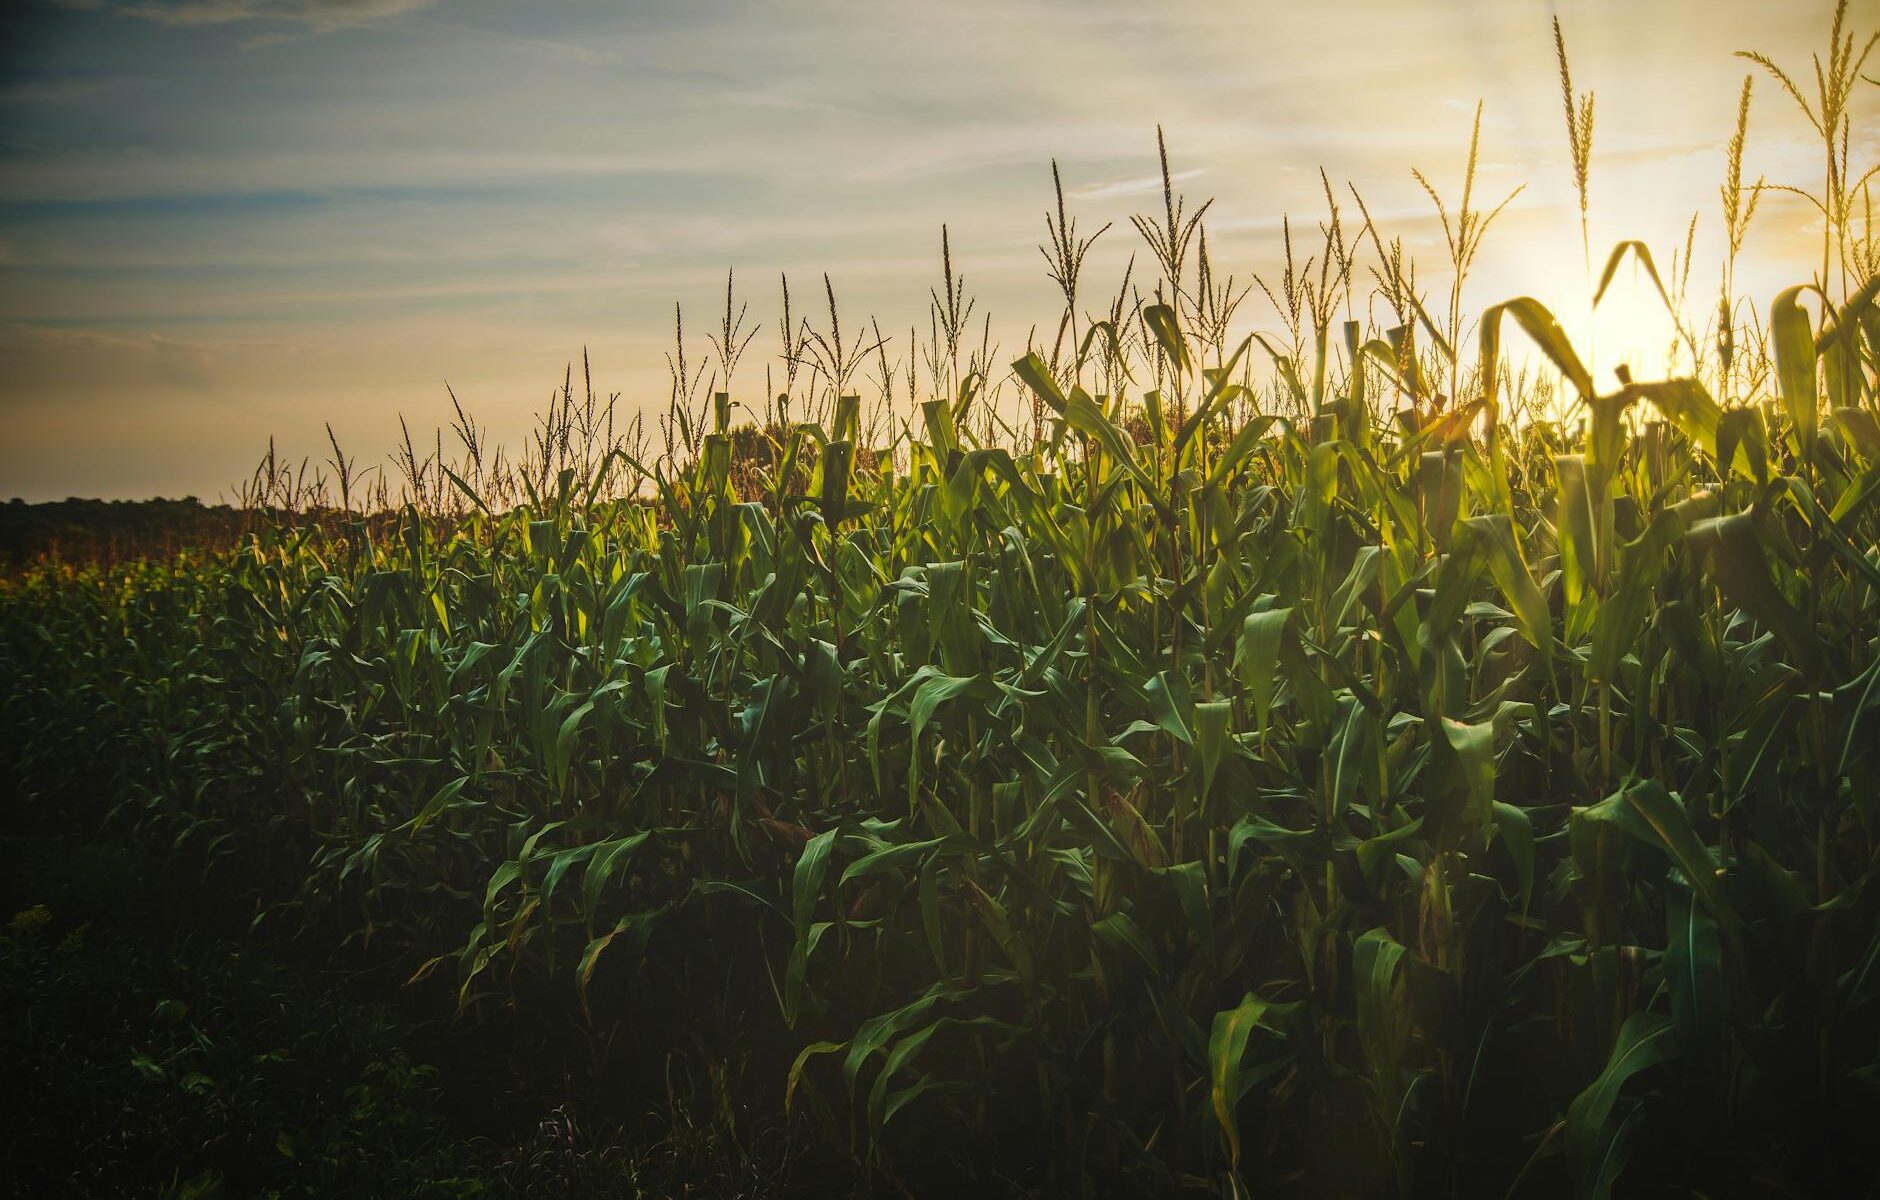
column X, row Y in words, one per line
column 1139, row 185
column 306, row 16
column 50, row 92
column 323, row 16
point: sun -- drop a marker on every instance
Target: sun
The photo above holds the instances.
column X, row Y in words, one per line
column 1632, row 327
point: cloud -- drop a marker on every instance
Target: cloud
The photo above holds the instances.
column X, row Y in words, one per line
column 56, row 91
column 315, row 16
column 34, row 359
column 1140, row 185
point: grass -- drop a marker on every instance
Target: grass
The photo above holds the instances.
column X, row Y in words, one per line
column 1397, row 772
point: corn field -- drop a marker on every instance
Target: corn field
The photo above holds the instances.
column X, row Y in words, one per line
column 1373, row 775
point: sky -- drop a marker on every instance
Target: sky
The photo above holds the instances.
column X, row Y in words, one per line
column 228, row 220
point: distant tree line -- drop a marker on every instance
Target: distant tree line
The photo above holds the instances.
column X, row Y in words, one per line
column 75, row 530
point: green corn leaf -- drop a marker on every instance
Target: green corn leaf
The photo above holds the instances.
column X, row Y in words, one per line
column 1169, row 706
column 1126, row 939
column 1213, row 726
column 1687, row 405
column 1861, row 428
column 1672, row 831
column 1539, row 324
column 1581, row 526
column 1160, row 319
column 802, row 1060
column 1794, row 340
column 1256, row 658
column 637, row 926
column 603, row 864
column 806, row 886
column 1693, row 967
column 888, row 858
column 876, row 1032
column 1621, row 620
column 1740, row 435
column 1227, row 1045
column 1383, row 1021
column 1031, row 370
column 1493, row 540
column 1644, row 255
column 1517, row 834
column 1474, row 746
column 440, row 801
column 1735, row 549
column 1373, row 852
column 1645, row 1040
